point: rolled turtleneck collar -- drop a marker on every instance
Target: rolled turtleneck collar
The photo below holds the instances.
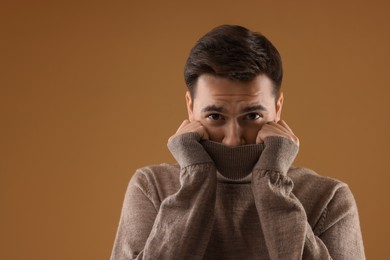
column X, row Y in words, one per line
column 234, row 164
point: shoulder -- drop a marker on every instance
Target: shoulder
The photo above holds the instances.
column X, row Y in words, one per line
column 157, row 181
column 309, row 184
column 308, row 181
column 320, row 194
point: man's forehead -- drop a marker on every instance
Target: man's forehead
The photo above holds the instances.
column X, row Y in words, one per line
column 209, row 85
column 244, row 108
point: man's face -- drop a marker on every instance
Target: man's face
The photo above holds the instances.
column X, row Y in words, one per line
column 233, row 112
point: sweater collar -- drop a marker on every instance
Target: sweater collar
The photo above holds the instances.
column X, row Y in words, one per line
column 233, row 163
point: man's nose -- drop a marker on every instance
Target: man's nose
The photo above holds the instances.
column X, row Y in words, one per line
column 233, row 135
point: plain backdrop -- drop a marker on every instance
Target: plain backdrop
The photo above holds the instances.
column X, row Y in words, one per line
column 91, row 90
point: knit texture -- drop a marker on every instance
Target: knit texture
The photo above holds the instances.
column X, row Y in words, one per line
column 236, row 203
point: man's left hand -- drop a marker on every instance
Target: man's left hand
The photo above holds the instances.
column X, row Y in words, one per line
column 279, row 128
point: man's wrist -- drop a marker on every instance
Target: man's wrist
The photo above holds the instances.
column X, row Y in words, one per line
column 187, row 150
column 278, row 155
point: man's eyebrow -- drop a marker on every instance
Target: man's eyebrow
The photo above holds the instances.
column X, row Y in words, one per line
column 213, row 108
column 253, row 108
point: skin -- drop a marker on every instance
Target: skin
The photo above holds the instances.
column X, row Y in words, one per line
column 235, row 113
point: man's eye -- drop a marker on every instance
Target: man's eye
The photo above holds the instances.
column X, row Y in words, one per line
column 253, row 116
column 215, row 117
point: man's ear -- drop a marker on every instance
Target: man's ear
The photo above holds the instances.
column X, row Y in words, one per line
column 279, row 106
column 190, row 106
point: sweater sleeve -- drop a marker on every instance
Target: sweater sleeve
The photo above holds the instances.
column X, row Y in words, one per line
column 181, row 227
column 283, row 218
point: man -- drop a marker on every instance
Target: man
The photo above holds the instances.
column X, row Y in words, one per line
column 234, row 194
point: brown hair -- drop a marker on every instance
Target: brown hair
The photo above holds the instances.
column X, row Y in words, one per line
column 236, row 53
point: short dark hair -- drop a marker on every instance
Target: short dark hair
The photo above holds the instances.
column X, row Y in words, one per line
column 236, row 53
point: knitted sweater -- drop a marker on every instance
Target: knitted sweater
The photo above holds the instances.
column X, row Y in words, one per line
column 242, row 202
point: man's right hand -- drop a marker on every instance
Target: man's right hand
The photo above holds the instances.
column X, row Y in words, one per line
column 194, row 127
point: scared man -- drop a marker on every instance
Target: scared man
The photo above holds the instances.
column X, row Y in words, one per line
column 233, row 193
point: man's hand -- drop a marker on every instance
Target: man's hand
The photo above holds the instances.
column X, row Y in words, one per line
column 194, row 127
column 279, row 128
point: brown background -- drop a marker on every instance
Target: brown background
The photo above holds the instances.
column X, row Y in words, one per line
column 90, row 91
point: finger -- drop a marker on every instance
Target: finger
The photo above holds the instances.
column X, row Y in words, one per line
column 183, row 124
column 259, row 140
column 284, row 124
column 205, row 134
column 293, row 136
column 195, row 127
column 272, row 126
column 271, row 129
column 265, row 131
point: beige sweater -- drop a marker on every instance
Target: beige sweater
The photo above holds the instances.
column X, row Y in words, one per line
column 236, row 203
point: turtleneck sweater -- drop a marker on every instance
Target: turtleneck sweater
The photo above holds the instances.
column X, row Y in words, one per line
column 244, row 202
